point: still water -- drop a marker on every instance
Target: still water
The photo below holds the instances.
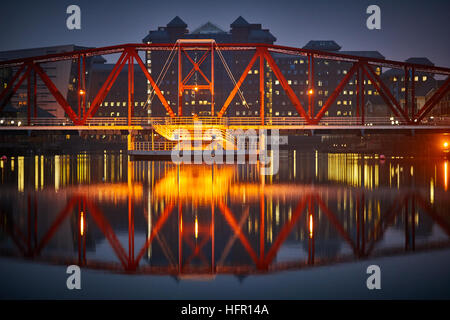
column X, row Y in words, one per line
column 152, row 229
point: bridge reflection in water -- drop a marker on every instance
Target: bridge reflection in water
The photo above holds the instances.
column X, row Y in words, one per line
column 199, row 221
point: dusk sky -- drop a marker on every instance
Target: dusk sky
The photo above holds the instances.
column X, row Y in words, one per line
column 409, row 27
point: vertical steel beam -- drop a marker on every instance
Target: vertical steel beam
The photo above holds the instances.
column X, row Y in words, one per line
column 262, row 227
column 357, row 92
column 79, row 85
column 131, row 264
column 406, row 96
column 413, row 92
column 261, row 88
column 83, row 85
column 130, row 89
column 34, row 94
column 363, row 102
column 212, row 80
column 28, row 99
column 180, row 88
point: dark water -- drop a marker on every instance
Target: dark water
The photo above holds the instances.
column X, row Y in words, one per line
column 142, row 229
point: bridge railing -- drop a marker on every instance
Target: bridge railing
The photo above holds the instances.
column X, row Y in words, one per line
column 155, row 146
column 148, row 122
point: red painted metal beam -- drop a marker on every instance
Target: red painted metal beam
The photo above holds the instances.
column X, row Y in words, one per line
column 153, row 83
column 238, row 84
column 195, row 68
column 335, row 221
column 191, row 73
column 287, row 88
column 384, row 92
column 435, row 98
column 103, row 92
column 3, row 99
column 287, row 228
column 336, row 93
column 55, row 92
column 108, row 231
column 159, row 224
column 226, row 47
column 237, row 230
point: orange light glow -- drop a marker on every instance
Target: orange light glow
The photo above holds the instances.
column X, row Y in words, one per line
column 196, row 228
column 446, row 175
column 196, row 88
column 82, row 92
column 311, row 227
column 445, row 144
column 81, row 223
column 310, row 91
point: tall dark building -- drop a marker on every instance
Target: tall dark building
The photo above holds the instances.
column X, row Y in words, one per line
column 327, row 75
column 200, row 102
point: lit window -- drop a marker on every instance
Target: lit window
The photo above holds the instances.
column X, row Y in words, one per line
column 424, row 78
column 112, row 104
column 277, row 82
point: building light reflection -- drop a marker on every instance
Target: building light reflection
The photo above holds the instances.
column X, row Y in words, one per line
column 82, row 223
column 446, row 175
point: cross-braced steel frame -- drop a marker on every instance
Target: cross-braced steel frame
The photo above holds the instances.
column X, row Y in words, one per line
column 361, row 67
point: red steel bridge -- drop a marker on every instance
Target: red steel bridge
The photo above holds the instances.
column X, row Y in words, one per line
column 82, row 116
column 197, row 239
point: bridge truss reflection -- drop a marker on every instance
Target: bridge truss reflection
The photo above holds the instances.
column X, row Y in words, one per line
column 201, row 224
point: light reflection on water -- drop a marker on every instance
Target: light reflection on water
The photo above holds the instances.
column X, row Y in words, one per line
column 105, row 212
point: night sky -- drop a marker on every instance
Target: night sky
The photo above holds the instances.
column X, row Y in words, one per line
column 409, row 27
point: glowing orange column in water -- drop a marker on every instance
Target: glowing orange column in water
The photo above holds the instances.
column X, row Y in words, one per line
column 446, row 175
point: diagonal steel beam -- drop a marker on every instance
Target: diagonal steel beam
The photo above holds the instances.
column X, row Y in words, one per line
column 103, row 92
column 384, row 92
column 336, row 92
column 152, row 82
column 238, row 84
column 287, row 88
column 435, row 98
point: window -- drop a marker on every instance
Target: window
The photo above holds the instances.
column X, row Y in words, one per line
column 424, row 78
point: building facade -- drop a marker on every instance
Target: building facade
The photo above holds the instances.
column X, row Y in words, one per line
column 62, row 73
